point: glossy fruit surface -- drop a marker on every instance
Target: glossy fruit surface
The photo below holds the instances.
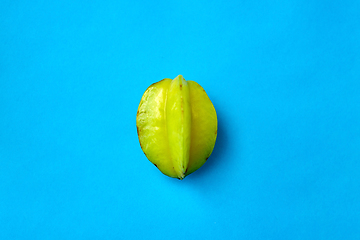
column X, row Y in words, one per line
column 177, row 126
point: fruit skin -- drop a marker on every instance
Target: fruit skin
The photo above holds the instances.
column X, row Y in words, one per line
column 177, row 126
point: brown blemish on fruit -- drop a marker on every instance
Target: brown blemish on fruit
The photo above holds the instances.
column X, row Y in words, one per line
column 138, row 113
column 156, row 82
column 182, row 105
column 155, row 165
column 138, row 131
column 180, row 86
column 206, row 159
column 152, row 85
column 216, row 131
column 140, row 143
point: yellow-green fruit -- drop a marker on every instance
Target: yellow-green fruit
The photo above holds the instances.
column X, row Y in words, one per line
column 177, row 126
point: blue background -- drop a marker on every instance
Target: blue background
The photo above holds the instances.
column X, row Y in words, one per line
column 284, row 77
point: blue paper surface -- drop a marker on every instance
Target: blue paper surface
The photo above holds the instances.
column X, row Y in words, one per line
column 284, row 77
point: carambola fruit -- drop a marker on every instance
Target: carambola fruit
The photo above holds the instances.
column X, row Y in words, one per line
column 177, row 126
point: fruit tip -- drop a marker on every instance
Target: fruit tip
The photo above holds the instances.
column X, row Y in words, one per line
column 180, row 76
column 181, row 176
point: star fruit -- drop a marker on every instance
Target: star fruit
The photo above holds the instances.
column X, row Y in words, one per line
column 177, row 126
